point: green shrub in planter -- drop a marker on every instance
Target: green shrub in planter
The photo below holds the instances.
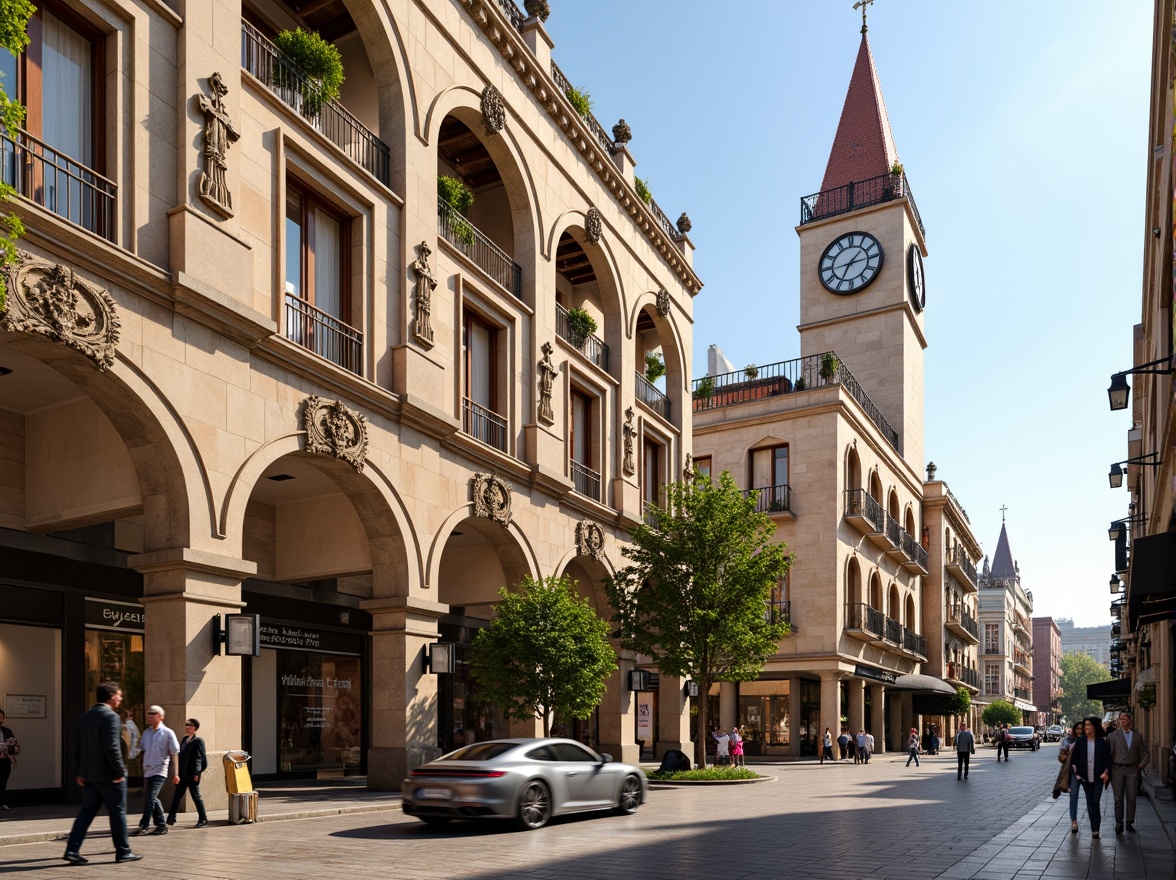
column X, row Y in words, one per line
column 581, row 325
column 705, row 388
column 829, row 365
column 751, row 371
column 642, row 188
column 580, row 100
column 459, row 197
column 318, row 61
column 655, row 367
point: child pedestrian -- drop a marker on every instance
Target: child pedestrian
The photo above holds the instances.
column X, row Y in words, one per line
column 736, row 741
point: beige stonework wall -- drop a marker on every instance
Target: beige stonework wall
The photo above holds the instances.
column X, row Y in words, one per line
column 12, row 470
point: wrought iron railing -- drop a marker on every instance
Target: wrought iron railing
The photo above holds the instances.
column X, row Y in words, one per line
column 59, row 184
column 772, row 499
column 1023, row 694
column 779, row 612
column 785, row 377
column 512, row 12
column 914, row 642
column 865, row 618
column 966, row 674
column 594, row 126
column 483, row 424
column 893, row 631
column 586, row 480
column 591, row 346
column 324, row 334
column 1021, row 658
column 893, row 531
column 648, row 394
column 291, row 85
column 914, row 550
column 859, row 502
column 959, row 615
column 663, row 221
column 959, row 558
column 474, row 243
column 858, row 194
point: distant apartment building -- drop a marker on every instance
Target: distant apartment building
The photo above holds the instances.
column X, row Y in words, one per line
column 1007, row 646
column 1092, row 640
column 1047, row 669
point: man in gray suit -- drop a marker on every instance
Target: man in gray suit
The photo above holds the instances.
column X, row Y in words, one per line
column 965, row 745
column 102, row 774
column 1128, row 758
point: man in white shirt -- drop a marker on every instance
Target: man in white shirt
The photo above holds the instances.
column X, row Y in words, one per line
column 722, row 741
column 869, row 746
column 1128, row 758
column 159, row 748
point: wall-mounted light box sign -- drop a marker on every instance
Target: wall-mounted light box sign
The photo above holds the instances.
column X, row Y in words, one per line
column 639, row 680
column 442, row 658
column 241, row 635
column 692, row 689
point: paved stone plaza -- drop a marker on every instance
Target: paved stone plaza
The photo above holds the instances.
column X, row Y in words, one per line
column 839, row 821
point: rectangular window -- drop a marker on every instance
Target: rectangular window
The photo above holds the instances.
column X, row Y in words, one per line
column 480, row 391
column 703, row 466
column 585, row 476
column 992, row 679
column 651, row 472
column 992, row 638
column 769, row 467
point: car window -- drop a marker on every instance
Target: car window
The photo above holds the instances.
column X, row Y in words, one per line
column 480, row 751
column 1022, row 731
column 543, row 753
column 572, row 752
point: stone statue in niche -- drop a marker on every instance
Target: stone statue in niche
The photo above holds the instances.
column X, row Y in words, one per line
column 547, row 374
column 688, row 470
column 425, row 285
column 219, row 135
column 630, row 436
column 493, row 110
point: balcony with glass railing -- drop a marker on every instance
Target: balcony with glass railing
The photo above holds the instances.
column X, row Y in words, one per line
column 649, row 395
column 324, row 334
column 477, row 246
column 591, row 346
column 771, row 499
column 586, row 480
column 483, row 424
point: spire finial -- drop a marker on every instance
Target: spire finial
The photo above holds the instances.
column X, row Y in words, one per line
column 1002, row 513
column 862, row 4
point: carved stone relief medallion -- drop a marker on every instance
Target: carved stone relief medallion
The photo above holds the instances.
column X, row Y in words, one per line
column 333, row 429
column 593, row 226
column 491, row 497
column 493, row 110
column 663, row 302
column 589, row 539
column 49, row 299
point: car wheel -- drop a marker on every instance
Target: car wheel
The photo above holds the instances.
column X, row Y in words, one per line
column 630, row 795
column 435, row 820
column 534, row 806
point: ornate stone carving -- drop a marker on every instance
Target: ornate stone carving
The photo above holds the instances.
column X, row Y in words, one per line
column 593, row 226
column 51, row 300
column 630, row 435
column 547, row 374
column 491, row 497
column 622, row 134
column 425, row 285
column 663, row 302
column 219, row 135
column 539, row 9
column 333, row 429
column 589, row 539
column 684, row 225
column 493, row 110
column 688, row 470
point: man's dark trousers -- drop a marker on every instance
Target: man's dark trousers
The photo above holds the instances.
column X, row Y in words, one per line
column 94, row 794
column 152, row 806
column 962, row 761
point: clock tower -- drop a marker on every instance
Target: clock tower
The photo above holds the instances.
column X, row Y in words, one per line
column 862, row 290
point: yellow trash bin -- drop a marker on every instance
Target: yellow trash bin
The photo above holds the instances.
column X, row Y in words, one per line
column 237, row 779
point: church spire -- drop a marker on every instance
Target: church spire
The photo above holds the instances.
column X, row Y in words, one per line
column 863, row 147
column 1002, row 562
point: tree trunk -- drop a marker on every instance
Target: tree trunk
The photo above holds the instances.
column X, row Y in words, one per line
column 701, row 734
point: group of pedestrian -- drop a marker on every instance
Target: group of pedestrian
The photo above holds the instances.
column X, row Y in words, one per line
column 102, row 773
column 1003, row 739
column 1091, row 759
column 728, row 747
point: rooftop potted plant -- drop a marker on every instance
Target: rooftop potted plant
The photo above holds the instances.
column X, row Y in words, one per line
column 705, row 388
column 655, row 367
column 581, row 325
column 314, row 69
column 459, row 197
column 830, row 363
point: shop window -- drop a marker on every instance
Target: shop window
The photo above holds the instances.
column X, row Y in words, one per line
column 319, row 709
column 118, row 657
column 480, row 418
column 763, row 716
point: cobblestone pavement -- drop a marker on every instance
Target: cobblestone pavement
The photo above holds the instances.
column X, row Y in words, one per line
column 826, row 822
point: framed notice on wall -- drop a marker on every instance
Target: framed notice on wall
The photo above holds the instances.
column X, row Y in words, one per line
column 24, row 706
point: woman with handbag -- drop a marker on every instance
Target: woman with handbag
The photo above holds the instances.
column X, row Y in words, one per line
column 9, row 749
column 1066, row 780
column 1090, row 759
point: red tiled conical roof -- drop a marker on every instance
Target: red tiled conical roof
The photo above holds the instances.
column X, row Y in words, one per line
column 864, row 147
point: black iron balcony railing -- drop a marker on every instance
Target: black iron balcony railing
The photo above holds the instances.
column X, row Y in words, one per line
column 483, row 424
column 858, row 194
column 564, row 84
column 586, row 480
column 771, row 499
column 516, row 16
column 779, row 612
column 785, row 377
column 966, row 674
column 1116, row 628
column 474, row 243
column 914, row 642
column 893, row 631
column 1023, row 694
column 648, row 394
column 914, row 550
column 893, row 531
column 330, row 118
column 324, row 334
column 957, row 558
column 1021, row 658
column 59, row 184
column 859, row 502
column 591, row 346
column 865, row 618
column 959, row 615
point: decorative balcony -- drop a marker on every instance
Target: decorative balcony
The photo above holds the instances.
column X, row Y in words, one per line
column 289, row 83
column 779, row 612
column 648, row 394
column 586, row 480
column 1023, row 694
column 483, row 424
column 788, row 377
column 324, row 334
column 916, row 554
column 864, row 513
column 965, row 572
column 771, row 499
column 485, row 254
column 893, row 631
column 1020, row 625
column 858, row 194
column 964, row 675
column 1022, row 662
column 591, row 346
column 913, row 643
column 963, row 624
column 893, row 545
column 57, row 183
column 865, row 623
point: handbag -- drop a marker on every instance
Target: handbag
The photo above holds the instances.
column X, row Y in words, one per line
column 1063, row 781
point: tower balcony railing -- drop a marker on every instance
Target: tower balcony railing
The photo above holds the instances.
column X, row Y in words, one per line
column 476, row 245
column 859, row 194
column 586, row 480
column 483, row 424
column 591, row 346
column 771, row 499
column 648, row 394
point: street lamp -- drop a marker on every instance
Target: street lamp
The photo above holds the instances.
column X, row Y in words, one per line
column 1115, row 477
column 1119, row 391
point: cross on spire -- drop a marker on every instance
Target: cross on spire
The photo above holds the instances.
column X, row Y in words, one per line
column 1002, row 512
column 862, row 4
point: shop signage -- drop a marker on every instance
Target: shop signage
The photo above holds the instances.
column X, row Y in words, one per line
column 24, row 705
column 299, row 638
column 876, row 674
column 104, row 614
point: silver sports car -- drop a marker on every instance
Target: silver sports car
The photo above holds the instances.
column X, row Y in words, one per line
column 528, row 780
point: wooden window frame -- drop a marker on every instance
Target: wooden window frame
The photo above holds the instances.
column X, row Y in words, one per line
column 648, row 443
column 312, row 202
column 772, row 451
column 710, row 466
column 590, row 405
column 469, row 316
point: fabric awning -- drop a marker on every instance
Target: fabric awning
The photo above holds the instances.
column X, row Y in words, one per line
column 1024, row 707
column 927, row 684
column 1151, row 591
column 1116, row 688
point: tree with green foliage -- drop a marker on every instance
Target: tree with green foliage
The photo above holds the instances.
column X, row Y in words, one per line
column 1079, row 670
column 1001, row 712
column 962, row 702
column 546, row 653
column 695, row 596
column 14, row 22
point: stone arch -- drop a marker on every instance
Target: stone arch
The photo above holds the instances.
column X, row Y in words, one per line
column 892, row 506
column 876, row 486
column 589, row 573
column 876, row 592
column 673, row 352
column 910, row 621
column 853, row 582
column 853, row 468
column 909, row 523
column 893, row 603
column 512, row 548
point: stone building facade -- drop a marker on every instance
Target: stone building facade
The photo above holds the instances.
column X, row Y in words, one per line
column 252, row 362
column 1006, row 641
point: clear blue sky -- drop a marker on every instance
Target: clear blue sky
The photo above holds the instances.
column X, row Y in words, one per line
column 1023, row 130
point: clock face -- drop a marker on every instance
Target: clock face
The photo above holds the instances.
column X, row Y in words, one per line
column 917, row 281
column 850, row 262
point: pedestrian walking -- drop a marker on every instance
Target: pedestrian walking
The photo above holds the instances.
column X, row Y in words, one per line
column 859, row 756
column 843, row 744
column 722, row 746
column 192, row 762
column 913, row 748
column 735, row 741
column 1128, row 758
column 869, row 746
column 827, row 745
column 1066, row 781
column 102, row 774
column 9, row 749
column 998, row 736
column 965, row 745
column 1090, row 758
column 159, row 747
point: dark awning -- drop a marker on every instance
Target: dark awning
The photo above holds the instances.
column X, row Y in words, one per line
column 1151, row 585
column 927, row 684
column 1116, row 688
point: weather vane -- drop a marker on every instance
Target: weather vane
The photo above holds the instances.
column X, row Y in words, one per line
column 862, row 4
